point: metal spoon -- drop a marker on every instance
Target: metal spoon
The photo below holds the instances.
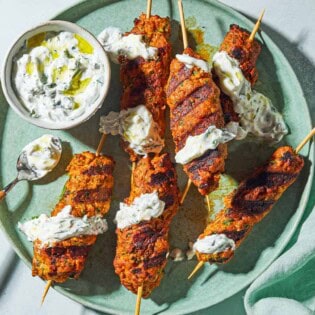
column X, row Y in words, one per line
column 27, row 172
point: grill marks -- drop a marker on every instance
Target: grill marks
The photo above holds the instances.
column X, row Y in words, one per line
column 155, row 261
column 88, row 192
column 270, row 180
column 92, row 195
column 287, row 156
column 71, row 251
column 183, row 74
column 143, row 80
column 235, row 235
column 168, row 199
column 101, row 169
column 146, row 237
column 236, row 44
column 253, row 200
column 142, row 248
column 194, row 103
column 206, row 169
column 208, row 120
column 203, row 162
column 89, row 187
column 161, row 177
column 250, row 207
column 185, row 106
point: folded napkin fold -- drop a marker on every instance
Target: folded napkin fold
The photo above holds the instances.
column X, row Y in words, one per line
column 288, row 285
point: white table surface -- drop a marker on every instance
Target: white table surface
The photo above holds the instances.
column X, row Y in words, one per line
column 290, row 23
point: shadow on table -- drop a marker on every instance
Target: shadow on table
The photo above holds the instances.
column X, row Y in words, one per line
column 7, row 269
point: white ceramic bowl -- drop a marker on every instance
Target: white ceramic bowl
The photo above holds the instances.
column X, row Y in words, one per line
column 6, row 74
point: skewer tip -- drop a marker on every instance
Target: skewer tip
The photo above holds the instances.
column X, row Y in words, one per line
column 139, row 297
column 257, row 25
column 208, row 203
column 48, row 285
column 149, row 7
column 198, row 266
column 100, row 145
column 182, row 23
column 133, row 167
column 262, row 14
column 185, row 192
column 305, row 140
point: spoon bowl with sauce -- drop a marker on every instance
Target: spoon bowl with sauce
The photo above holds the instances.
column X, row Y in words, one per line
column 36, row 160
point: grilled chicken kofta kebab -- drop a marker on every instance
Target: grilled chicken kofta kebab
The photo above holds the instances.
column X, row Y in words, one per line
column 248, row 205
column 246, row 111
column 196, row 117
column 143, row 223
column 144, row 55
column 62, row 242
column 197, row 112
column 143, row 220
column 143, row 80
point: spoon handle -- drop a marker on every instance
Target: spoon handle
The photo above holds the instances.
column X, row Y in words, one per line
column 7, row 188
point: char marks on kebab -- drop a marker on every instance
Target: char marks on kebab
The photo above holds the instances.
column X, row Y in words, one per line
column 195, row 110
column 62, row 242
column 88, row 192
column 248, row 205
column 236, row 43
column 234, row 69
column 142, row 247
column 143, row 75
column 144, row 218
column 143, row 80
column 246, row 111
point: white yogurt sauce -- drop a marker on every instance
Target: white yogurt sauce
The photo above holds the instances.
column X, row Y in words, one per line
column 191, row 62
column 131, row 46
column 213, row 244
column 257, row 114
column 58, row 78
column 61, row 227
column 143, row 208
column 136, row 126
column 196, row 146
column 42, row 154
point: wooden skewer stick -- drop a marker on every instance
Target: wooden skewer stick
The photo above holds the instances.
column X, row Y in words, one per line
column 257, row 26
column 185, row 192
column 298, row 148
column 100, row 145
column 139, row 297
column 182, row 23
column 208, row 202
column 97, row 153
column 149, row 7
column 139, row 294
column 251, row 38
column 305, row 140
column 185, row 43
column 133, row 166
column 48, row 285
column 199, row 265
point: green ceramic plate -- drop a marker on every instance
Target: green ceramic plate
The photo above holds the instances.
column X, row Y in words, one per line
column 98, row 286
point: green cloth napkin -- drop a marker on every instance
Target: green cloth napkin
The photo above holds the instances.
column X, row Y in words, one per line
column 287, row 287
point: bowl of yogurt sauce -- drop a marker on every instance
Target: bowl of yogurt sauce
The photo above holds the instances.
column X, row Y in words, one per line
column 56, row 75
